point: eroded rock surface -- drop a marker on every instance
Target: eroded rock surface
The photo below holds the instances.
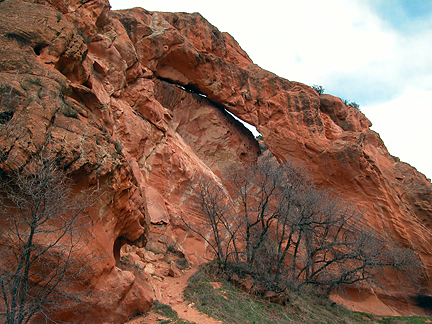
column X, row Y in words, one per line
column 136, row 101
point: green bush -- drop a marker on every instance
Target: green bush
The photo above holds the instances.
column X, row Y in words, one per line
column 167, row 311
column 352, row 104
column 318, row 88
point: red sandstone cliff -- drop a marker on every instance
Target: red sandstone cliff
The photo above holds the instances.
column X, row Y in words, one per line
column 136, row 100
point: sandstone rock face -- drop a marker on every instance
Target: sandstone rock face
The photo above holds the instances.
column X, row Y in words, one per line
column 137, row 101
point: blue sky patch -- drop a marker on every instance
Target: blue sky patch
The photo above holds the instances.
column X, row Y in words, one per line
column 403, row 15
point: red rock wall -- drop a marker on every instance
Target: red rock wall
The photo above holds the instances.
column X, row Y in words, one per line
column 136, row 100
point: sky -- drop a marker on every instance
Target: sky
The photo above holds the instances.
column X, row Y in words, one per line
column 377, row 53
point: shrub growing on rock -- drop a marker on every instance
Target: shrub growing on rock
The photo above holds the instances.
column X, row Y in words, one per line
column 318, row 89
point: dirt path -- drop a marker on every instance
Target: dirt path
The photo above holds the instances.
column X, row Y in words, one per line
column 169, row 291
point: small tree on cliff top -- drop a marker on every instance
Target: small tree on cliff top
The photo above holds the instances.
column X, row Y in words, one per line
column 318, row 88
column 39, row 235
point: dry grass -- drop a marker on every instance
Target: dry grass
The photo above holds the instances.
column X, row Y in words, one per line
column 226, row 303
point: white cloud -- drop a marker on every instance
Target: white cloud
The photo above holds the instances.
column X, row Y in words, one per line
column 346, row 47
column 404, row 125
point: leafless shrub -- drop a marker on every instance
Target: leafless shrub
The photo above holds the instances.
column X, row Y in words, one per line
column 288, row 233
column 40, row 236
column 213, row 218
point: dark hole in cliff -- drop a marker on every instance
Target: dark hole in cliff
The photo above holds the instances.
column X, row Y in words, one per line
column 192, row 88
column 88, row 84
column 6, row 116
column 424, row 301
column 63, row 65
column 244, row 157
column 119, row 242
column 38, row 49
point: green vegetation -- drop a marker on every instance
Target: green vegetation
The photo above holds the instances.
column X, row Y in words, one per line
column 318, row 88
column 170, row 315
column 352, row 104
column 232, row 306
column 229, row 305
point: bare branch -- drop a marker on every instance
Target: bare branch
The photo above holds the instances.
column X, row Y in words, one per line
column 40, row 235
column 289, row 233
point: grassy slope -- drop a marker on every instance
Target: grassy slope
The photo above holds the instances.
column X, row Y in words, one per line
column 169, row 315
column 231, row 306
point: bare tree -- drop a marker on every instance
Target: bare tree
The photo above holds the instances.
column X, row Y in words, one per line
column 40, row 235
column 256, row 187
column 333, row 248
column 214, row 221
column 289, row 233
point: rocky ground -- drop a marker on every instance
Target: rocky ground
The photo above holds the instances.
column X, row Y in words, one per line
column 168, row 275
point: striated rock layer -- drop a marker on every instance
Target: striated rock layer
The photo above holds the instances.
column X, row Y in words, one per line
column 136, row 101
